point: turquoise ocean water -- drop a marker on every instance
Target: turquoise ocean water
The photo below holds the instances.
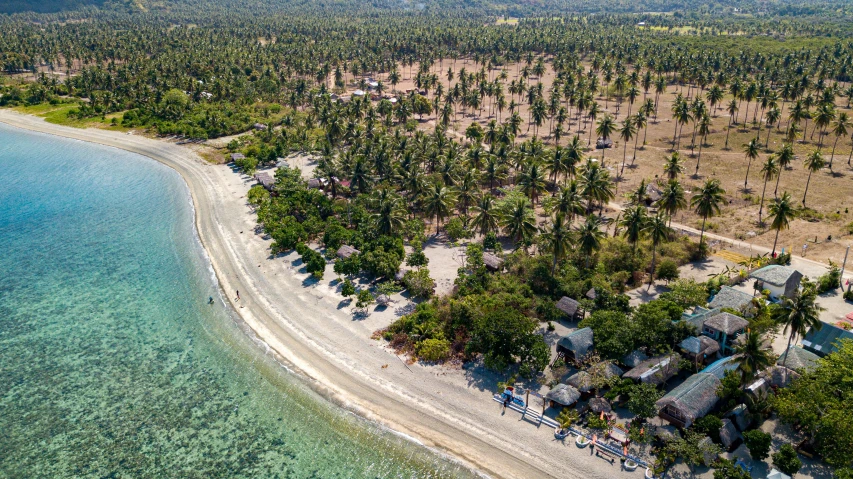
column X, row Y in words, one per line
column 111, row 362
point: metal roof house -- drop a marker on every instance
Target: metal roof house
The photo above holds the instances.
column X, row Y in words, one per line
column 822, row 341
column 731, row 298
column 689, row 401
column 720, row 367
column 570, row 307
column 779, row 280
column 576, row 345
column 657, row 370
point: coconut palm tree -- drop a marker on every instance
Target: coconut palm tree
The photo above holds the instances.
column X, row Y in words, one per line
column 627, row 132
column 595, row 185
column 782, row 211
column 672, row 199
column 704, row 129
column 707, row 202
column 634, row 221
column 486, row 216
column 519, row 221
column 605, row 128
column 839, row 129
column 390, row 214
column 590, row 236
column 752, row 356
column 567, row 201
column 750, row 150
column 657, row 230
column 799, row 314
column 814, row 162
column 641, row 120
column 769, row 170
column 732, row 109
column 556, row 238
column 673, row 166
column 438, row 202
column 785, row 156
column 532, row 180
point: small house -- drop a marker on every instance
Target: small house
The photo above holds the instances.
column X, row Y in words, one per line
column 591, row 294
column 822, row 341
column 798, row 359
column 576, row 345
column 781, row 281
column 699, row 350
column 690, row 400
column 603, row 143
column 655, row 371
column 653, row 194
column 260, row 126
column 345, row 251
column 775, row 474
column 359, row 93
column 571, row 308
column 720, row 367
column 582, row 381
column 731, row 298
column 237, row 156
column 562, row 395
column 634, row 358
column 264, row 179
column 729, row 435
column 493, row 262
column 724, row 328
column 315, row 183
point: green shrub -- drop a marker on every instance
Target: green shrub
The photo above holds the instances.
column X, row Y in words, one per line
column 433, row 349
column 709, row 425
column 758, row 443
column 490, row 241
column 786, row 460
column 348, row 289
column 667, row 270
column 419, row 283
column 257, row 195
column 848, row 295
column 456, row 229
column 829, row 280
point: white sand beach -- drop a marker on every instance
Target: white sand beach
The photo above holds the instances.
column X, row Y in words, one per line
column 311, row 328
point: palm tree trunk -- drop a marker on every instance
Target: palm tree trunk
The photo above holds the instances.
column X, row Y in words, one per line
column 807, row 188
column 700, row 157
column 652, row 272
column 775, row 240
column 727, row 131
column 832, row 156
column 761, row 208
column 748, row 165
column 624, row 155
column 776, row 189
column 634, row 158
column 702, row 233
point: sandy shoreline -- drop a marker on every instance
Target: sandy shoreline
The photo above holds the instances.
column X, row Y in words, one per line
column 446, row 409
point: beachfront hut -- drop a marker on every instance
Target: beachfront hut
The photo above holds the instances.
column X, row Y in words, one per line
column 731, row 298
column 653, row 194
column 822, row 341
column 563, row 395
column 779, row 280
column 264, row 179
column 741, row 417
column 570, row 308
column 634, row 358
column 591, row 294
column 260, row 126
column 655, row 371
column 798, row 359
column 383, row 300
column 724, row 328
column 493, row 262
column 576, row 345
column 690, row 400
column 315, row 183
column 729, row 435
column 345, row 251
column 699, row 349
column 606, row 369
column 600, row 405
column 582, row 381
column 237, row 156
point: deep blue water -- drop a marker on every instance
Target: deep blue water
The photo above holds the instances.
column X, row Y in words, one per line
column 111, row 362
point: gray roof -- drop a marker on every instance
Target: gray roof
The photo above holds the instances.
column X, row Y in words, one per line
column 600, row 405
column 729, row 434
column 581, row 380
column 568, row 305
column 694, row 398
column 634, row 358
column 655, row 370
column 781, row 377
column 799, row 358
column 606, row 369
column 383, row 299
column 591, row 294
column 774, row 274
column 700, row 345
column 346, row 251
column 720, row 367
column 578, row 342
column 493, row 262
column 822, row 341
column 726, row 322
column 563, row 395
column 667, row 432
column 729, row 297
column 237, row 156
column 265, row 179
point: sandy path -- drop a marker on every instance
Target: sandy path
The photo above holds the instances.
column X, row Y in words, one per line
column 448, row 409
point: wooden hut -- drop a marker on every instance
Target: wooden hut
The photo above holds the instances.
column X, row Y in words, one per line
column 591, row 294
column 603, row 143
column 571, row 308
column 699, row 350
column 345, row 251
column 493, row 262
column 264, row 179
column 383, row 300
column 634, row 358
column 690, row 400
column 729, row 435
column 655, row 371
column 562, row 395
column 582, row 381
column 237, row 156
column 576, row 345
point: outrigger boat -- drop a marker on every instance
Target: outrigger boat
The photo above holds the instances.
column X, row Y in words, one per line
column 509, row 393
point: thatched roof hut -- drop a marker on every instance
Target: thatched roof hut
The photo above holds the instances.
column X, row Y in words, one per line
column 264, row 179
column 690, row 400
column 667, row 433
column 603, row 143
column 606, row 369
column 576, row 345
column 729, row 436
column 563, row 395
column 634, row 358
column 493, row 262
column 781, row 377
column 581, row 380
column 599, row 405
column 237, row 156
column 799, row 359
column 383, row 300
column 655, row 371
column 315, row 183
column 729, row 297
column 726, row 323
column 570, row 307
column 699, row 349
column 346, row 251
column 591, row 294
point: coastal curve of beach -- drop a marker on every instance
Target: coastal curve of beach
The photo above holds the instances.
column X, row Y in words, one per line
column 447, row 409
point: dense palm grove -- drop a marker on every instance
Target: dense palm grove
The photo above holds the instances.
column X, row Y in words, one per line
column 524, row 184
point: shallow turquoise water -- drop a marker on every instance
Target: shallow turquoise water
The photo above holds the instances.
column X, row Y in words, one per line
column 111, row 362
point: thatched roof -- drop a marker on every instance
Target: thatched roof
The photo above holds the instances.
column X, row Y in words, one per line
column 667, row 432
column 603, row 143
column 693, row 398
column 655, row 370
column 606, row 369
column 701, row 345
column 653, row 193
column 346, row 251
column 563, row 395
column 720, row 367
column 634, row 358
column 581, row 380
column 568, row 305
column 493, row 262
column 578, row 342
column 265, row 180
column 591, row 294
column 237, row 156
column 315, row 183
column 729, row 297
column 599, row 405
column 728, row 434
column 726, row 322
column 401, row 273
column 781, row 377
column 798, row 358
column 383, row 299
column 775, row 274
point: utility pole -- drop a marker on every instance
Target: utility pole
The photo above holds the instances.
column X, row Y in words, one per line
column 843, row 264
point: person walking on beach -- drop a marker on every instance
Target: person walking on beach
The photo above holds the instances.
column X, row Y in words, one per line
column 238, row 295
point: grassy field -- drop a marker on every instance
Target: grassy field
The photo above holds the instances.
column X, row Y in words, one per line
column 59, row 115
